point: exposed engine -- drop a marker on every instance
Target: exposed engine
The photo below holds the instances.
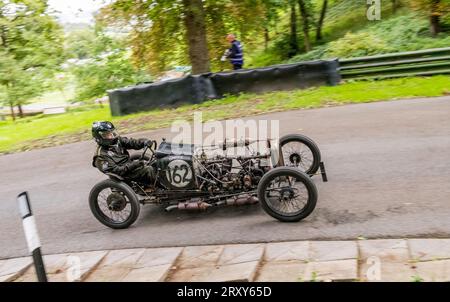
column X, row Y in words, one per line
column 225, row 174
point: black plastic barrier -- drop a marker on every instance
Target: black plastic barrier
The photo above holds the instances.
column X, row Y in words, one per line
column 199, row 88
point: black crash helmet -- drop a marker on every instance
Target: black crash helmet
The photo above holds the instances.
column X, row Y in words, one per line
column 104, row 133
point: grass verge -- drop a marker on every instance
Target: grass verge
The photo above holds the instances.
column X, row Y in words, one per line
column 44, row 131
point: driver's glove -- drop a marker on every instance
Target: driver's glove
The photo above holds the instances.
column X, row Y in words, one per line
column 149, row 143
column 135, row 165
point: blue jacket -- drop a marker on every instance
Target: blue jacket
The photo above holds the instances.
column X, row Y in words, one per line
column 236, row 55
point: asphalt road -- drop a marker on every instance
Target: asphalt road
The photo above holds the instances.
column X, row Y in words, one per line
column 388, row 164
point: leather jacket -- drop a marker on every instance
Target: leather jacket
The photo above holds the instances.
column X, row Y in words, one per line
column 115, row 159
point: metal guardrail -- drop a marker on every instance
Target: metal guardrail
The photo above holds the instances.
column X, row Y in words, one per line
column 394, row 65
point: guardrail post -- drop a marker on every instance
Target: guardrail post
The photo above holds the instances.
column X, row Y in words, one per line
column 31, row 234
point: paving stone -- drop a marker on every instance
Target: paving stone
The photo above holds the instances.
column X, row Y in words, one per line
column 429, row 249
column 239, row 272
column 88, row 261
column 234, row 254
column 335, row 270
column 199, row 256
column 242, row 272
column 433, row 271
column 332, row 250
column 156, row 273
column 390, row 250
column 66, row 267
column 214, row 264
column 387, row 272
column 11, row 269
column 154, row 265
column 385, row 260
column 285, row 251
column 116, row 265
column 282, row 271
column 190, row 274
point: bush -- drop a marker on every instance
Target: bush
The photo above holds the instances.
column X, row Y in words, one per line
column 357, row 45
column 262, row 58
column 112, row 71
column 316, row 53
column 406, row 32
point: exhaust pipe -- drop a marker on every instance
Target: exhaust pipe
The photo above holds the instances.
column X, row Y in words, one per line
column 200, row 205
column 190, row 206
column 171, row 208
column 239, row 201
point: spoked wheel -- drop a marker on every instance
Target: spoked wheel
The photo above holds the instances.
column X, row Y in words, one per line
column 114, row 204
column 287, row 194
column 301, row 152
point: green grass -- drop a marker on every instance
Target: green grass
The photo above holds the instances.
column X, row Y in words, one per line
column 42, row 131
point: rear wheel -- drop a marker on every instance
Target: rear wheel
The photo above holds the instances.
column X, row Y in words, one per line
column 301, row 152
column 114, row 204
column 287, row 194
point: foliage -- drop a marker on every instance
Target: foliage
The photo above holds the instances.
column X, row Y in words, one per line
column 158, row 26
column 431, row 7
column 101, row 62
column 263, row 58
column 109, row 71
column 31, row 49
column 81, row 44
column 406, row 32
column 357, row 45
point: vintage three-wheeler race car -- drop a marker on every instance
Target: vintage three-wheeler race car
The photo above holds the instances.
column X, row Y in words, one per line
column 190, row 177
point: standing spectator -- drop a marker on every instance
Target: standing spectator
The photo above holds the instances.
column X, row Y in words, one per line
column 235, row 54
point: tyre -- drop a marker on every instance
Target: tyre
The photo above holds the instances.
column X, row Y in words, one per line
column 114, row 204
column 301, row 152
column 287, row 194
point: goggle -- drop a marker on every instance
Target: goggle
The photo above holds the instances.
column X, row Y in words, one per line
column 109, row 134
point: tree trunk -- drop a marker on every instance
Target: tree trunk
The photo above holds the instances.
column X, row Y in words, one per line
column 266, row 38
column 305, row 20
column 13, row 114
column 435, row 25
column 194, row 20
column 3, row 33
column 321, row 20
column 20, row 110
column 394, row 6
column 293, row 41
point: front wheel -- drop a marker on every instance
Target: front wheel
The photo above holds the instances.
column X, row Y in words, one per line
column 287, row 194
column 114, row 204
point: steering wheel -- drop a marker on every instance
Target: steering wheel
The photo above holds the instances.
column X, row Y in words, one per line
column 152, row 147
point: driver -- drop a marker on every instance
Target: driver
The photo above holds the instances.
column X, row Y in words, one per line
column 112, row 155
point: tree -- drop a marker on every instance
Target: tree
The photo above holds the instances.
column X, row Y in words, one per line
column 81, row 44
column 31, row 49
column 323, row 12
column 434, row 9
column 185, row 31
column 293, row 25
column 272, row 8
column 305, row 14
column 194, row 20
column 104, row 63
column 395, row 5
column 108, row 71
